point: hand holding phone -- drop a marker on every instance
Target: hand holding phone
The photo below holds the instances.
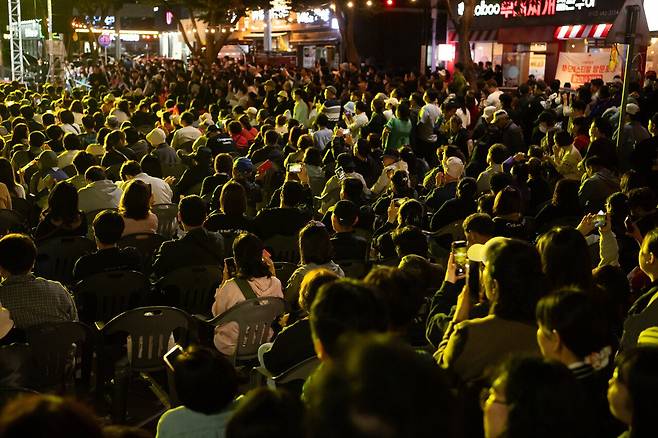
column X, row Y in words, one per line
column 230, row 267
column 294, row 167
column 460, row 257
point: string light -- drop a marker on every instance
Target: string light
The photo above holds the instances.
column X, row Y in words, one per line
column 369, row 3
column 350, row 4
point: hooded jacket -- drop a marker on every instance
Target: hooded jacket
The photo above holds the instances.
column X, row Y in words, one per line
column 99, row 195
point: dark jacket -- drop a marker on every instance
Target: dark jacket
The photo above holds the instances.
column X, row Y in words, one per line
column 641, row 316
column 198, row 247
column 284, row 220
column 595, row 190
column 107, row 260
column 292, row 346
column 349, row 246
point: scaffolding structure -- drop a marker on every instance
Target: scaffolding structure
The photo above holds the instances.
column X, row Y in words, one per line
column 16, row 40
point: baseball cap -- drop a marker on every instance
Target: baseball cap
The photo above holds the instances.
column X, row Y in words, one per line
column 478, row 251
column 489, row 112
column 349, row 106
column 243, row 164
column 346, row 212
column 332, row 89
column 156, row 136
column 392, row 101
column 454, row 167
column 632, row 109
column 498, row 114
column 282, row 93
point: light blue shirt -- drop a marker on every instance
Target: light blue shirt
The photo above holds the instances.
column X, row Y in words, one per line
column 182, row 422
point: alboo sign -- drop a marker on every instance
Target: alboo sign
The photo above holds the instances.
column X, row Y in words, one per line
column 538, row 8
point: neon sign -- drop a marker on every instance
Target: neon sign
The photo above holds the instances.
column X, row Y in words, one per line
column 540, row 8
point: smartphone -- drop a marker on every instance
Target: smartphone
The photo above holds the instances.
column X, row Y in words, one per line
column 600, row 219
column 340, row 173
column 294, row 167
column 459, row 256
column 231, row 266
column 171, row 355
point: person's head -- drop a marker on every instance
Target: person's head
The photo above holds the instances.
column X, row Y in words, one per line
column 71, row 142
column 497, row 154
column 108, row 227
column 633, row 388
column 563, row 139
column 352, row 189
column 467, row 188
column 311, row 284
column 641, row 202
column 478, row 228
column 7, row 174
column 95, row 173
column 508, row 203
column 264, row 413
column 534, row 397
column 593, row 165
column 135, row 202
column 600, row 128
column 499, row 181
column 205, row 380
column 565, row 196
column 248, row 253
column 513, row 279
column 115, row 140
column 41, row 416
column 322, row 120
column 571, row 326
column 344, row 216
column 292, row 194
column 648, row 255
column 63, row 202
column 363, row 394
column 129, row 170
column 315, row 244
column 408, row 240
column 399, row 292
column 341, row 307
column 187, row 118
column 566, row 259
column 17, row 255
column 411, row 213
column 191, row 211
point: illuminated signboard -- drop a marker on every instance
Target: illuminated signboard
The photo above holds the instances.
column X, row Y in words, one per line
column 531, row 9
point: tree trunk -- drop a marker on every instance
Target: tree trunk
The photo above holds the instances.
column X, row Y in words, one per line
column 463, row 26
column 345, row 18
column 181, row 29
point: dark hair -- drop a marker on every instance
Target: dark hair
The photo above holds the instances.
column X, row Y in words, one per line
column 95, row 173
column 637, row 370
column 409, row 240
column 151, row 165
column 565, row 196
column 248, row 253
column 313, row 156
column 108, row 227
column 315, row 244
column 516, row 266
column 310, row 285
column 7, row 176
column 265, row 412
column 113, row 140
column 130, row 168
column 322, row 120
column 613, row 286
column 83, row 161
column 411, row 213
column 66, row 116
column 40, row 416
column 352, row 188
column 17, row 253
column 292, row 193
column 577, row 318
column 603, row 125
column 508, row 201
column 223, row 163
column 345, row 306
column 566, row 259
column 544, row 400
column 71, row 142
column 187, row 117
column 399, row 291
column 233, row 199
column 563, row 139
column 499, row 153
column 235, row 127
column 499, row 181
column 480, row 223
column 63, row 203
column 192, row 210
column 205, row 380
column 135, row 200
column 362, row 394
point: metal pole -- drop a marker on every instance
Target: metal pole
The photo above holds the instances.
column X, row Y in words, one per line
column 51, row 53
column 267, row 31
column 435, row 13
column 117, row 36
column 633, row 13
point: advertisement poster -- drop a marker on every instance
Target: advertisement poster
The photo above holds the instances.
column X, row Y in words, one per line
column 580, row 68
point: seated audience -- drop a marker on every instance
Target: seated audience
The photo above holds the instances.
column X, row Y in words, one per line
column 135, row 208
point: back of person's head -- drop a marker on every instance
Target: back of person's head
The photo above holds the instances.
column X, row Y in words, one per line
column 248, row 253
column 411, row 213
column 311, row 284
column 399, row 292
column 266, row 413
column 235, row 127
column 312, row 156
column 37, row 139
column 566, row 259
column 641, row 201
column 498, row 153
column 322, row 120
column 499, row 181
column 41, row 416
column 508, row 201
column 114, row 140
column 565, row 196
column 135, row 202
column 408, row 240
column 636, row 371
column 83, row 161
column 315, row 244
column 187, row 118
column 543, row 399
column 480, row 223
column 95, row 173
column 66, row 117
column 129, row 169
column 467, row 188
column 192, row 210
column 108, row 227
column 575, row 319
column 427, row 274
column 563, row 139
column 352, row 189
column 292, row 193
column 272, row 138
column 72, row 142
column 362, row 393
column 17, row 254
column 341, row 307
column 615, row 289
column 63, row 202
column 513, row 279
column 233, row 199
column 205, row 380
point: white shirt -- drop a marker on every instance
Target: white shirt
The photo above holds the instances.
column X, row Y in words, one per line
column 162, row 193
column 427, row 118
column 358, row 121
column 72, row 128
column 494, row 99
column 183, row 135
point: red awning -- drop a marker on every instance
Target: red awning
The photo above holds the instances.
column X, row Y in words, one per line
column 581, row 31
column 475, row 35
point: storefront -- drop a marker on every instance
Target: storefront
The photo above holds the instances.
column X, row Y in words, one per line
column 529, row 40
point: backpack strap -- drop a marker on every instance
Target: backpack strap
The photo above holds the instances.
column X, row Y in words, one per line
column 245, row 288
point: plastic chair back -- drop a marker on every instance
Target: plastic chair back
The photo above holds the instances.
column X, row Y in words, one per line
column 103, row 296
column 54, row 349
column 283, row 248
column 191, row 288
column 301, row 371
column 147, row 244
column 254, row 319
column 194, row 190
column 167, row 223
column 27, row 209
column 149, row 329
column 57, row 256
column 17, row 372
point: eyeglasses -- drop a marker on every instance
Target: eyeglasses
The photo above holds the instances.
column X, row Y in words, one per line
column 488, row 395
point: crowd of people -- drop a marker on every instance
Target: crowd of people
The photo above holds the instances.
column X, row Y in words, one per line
column 471, row 261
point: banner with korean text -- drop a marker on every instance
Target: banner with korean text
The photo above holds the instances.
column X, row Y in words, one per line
column 580, row 68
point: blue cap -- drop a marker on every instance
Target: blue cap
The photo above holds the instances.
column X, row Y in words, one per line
column 243, row 164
